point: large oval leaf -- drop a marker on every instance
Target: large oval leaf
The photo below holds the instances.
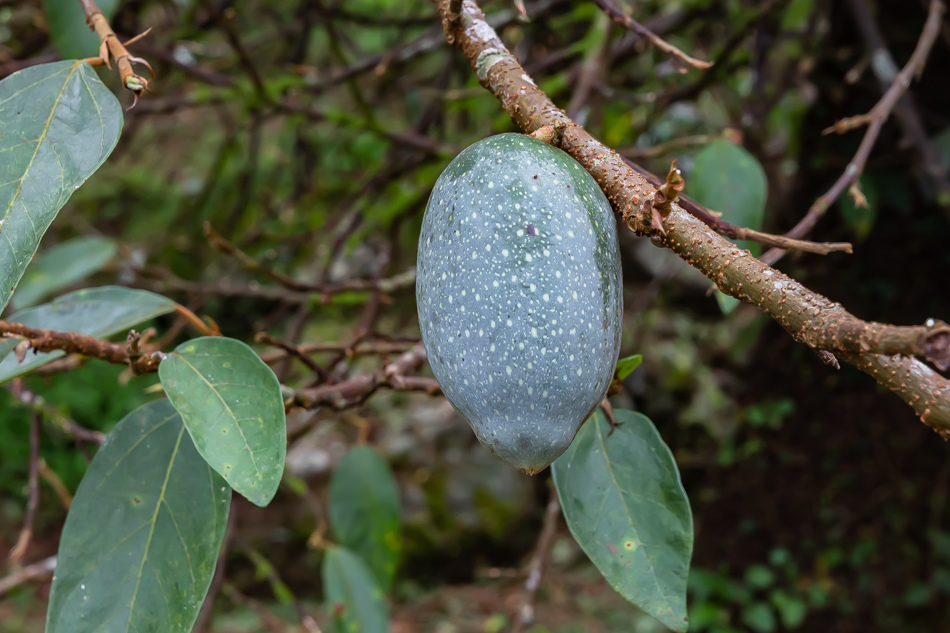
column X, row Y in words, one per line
column 142, row 537
column 626, row 507
column 232, row 405
column 67, row 26
column 98, row 312
column 62, row 266
column 364, row 511
column 58, row 123
column 728, row 179
column 353, row 599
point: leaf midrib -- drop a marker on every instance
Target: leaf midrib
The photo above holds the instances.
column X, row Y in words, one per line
column 250, row 451
column 39, row 141
column 613, row 478
column 151, row 530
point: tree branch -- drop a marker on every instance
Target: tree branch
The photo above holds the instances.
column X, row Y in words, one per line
column 810, row 318
column 629, row 23
column 49, row 340
column 875, row 120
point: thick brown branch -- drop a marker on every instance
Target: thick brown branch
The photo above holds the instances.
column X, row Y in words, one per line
column 72, row 343
column 875, row 121
column 622, row 18
column 808, row 316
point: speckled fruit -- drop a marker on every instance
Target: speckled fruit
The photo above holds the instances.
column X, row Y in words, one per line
column 519, row 295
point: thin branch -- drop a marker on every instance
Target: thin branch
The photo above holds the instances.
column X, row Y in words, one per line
column 68, row 426
column 539, row 561
column 875, row 120
column 355, row 390
column 49, row 340
column 403, row 280
column 111, row 49
column 811, row 318
column 35, row 571
column 622, row 18
column 352, row 351
column 33, row 496
column 734, row 232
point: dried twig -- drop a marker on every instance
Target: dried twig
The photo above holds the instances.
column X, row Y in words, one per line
column 35, row 571
column 875, row 121
column 539, row 561
column 111, row 49
column 741, row 233
column 403, row 280
column 355, row 390
column 72, row 343
column 620, row 17
column 65, row 424
column 33, row 496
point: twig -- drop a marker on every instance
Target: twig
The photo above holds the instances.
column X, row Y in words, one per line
column 363, row 349
column 539, row 561
column 72, row 343
column 403, row 280
column 68, row 426
column 905, row 111
column 741, row 233
column 31, row 572
column 620, row 17
column 111, row 49
column 225, row 20
column 809, row 317
column 33, row 496
column 875, row 121
column 50, row 476
column 296, row 352
column 355, row 390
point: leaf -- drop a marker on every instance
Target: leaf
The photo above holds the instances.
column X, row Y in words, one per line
column 232, row 405
column 58, row 123
column 142, row 537
column 625, row 366
column 626, row 507
column 67, row 26
column 364, row 511
column 62, row 266
column 354, row 601
column 759, row 617
column 98, row 312
column 726, row 303
column 728, row 179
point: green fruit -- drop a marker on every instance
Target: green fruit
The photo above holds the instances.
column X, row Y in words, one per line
column 519, row 295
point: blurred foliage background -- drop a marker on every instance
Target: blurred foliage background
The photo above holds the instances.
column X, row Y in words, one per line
column 309, row 134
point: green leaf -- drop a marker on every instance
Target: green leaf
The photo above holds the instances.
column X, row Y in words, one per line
column 232, row 405
column 98, row 312
column 67, row 26
column 142, row 537
column 62, row 266
column 759, row 617
column 625, row 366
column 726, row 303
column 364, row 511
column 626, row 507
column 728, row 179
column 759, row 577
column 353, row 599
column 58, row 123
column 791, row 609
